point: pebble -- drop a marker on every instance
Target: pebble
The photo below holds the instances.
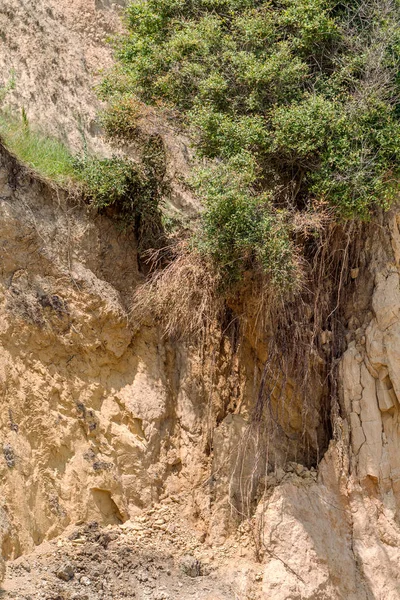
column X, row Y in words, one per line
column 65, row 572
column 190, row 566
column 132, row 526
column 26, row 566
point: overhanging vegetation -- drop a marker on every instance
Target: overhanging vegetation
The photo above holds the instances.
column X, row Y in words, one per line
column 292, row 105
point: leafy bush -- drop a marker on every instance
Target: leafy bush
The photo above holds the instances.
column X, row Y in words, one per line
column 131, row 190
column 119, row 120
column 240, row 228
column 307, row 88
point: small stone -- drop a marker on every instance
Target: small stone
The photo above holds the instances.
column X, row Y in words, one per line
column 190, row 566
column 26, row 566
column 66, row 572
column 136, row 527
column 85, row 580
column 201, row 536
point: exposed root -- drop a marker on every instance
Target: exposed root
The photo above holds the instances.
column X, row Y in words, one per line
column 294, row 338
column 183, row 297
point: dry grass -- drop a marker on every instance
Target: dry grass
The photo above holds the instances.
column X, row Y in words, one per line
column 305, row 340
column 185, row 293
column 183, row 296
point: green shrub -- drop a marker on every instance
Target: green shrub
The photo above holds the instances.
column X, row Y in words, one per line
column 131, row 190
column 109, row 181
column 120, row 118
column 308, row 88
column 240, row 228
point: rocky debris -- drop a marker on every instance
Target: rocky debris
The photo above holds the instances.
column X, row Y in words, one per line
column 127, row 567
column 26, row 566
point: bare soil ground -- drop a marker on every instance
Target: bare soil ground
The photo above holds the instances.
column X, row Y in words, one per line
column 156, row 556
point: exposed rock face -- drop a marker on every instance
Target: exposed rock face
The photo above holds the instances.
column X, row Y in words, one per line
column 340, row 537
column 370, row 379
column 44, row 287
column 99, row 420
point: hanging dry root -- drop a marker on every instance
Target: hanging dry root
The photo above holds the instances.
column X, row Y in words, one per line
column 183, row 297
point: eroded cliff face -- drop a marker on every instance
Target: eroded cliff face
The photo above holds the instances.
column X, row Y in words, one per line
column 102, row 420
column 340, row 535
column 370, row 379
column 74, row 377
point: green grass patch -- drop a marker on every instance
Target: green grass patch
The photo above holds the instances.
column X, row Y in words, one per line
column 45, row 155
